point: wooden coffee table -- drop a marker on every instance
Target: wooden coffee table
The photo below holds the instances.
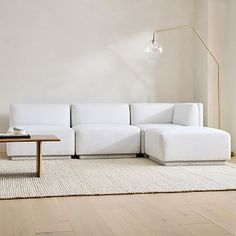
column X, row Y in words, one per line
column 38, row 139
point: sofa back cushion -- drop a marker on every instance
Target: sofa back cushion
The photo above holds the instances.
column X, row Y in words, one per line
column 40, row 114
column 110, row 113
column 151, row 113
column 189, row 114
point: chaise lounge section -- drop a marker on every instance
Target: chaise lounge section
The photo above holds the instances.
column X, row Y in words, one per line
column 165, row 115
column 187, row 145
column 173, row 134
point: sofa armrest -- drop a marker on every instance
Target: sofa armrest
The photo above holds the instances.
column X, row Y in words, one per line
column 188, row 114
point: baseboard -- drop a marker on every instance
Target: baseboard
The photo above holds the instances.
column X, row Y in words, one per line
column 21, row 158
column 107, row 156
column 187, row 163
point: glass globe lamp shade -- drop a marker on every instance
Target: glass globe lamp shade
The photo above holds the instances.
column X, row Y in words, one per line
column 153, row 49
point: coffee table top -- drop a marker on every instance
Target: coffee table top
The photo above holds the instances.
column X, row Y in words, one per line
column 33, row 138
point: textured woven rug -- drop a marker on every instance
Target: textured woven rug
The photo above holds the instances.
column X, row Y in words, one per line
column 109, row 176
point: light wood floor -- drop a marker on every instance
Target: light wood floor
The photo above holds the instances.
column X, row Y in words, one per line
column 183, row 214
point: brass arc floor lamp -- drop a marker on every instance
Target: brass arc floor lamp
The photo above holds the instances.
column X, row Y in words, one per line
column 153, row 48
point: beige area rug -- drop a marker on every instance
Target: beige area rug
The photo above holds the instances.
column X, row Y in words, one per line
column 109, row 176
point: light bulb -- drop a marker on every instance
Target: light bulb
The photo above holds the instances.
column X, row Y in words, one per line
column 153, row 49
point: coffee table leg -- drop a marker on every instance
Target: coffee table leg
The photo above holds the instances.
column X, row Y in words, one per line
column 38, row 158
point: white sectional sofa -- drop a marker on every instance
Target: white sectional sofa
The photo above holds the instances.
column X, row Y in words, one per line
column 169, row 133
column 167, row 115
column 103, row 129
column 42, row 119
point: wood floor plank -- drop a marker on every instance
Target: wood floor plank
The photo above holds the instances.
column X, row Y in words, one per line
column 217, row 215
column 105, row 202
column 178, row 211
column 225, row 200
column 77, row 203
column 207, row 230
column 184, row 198
column 16, row 218
column 56, row 234
column 122, row 222
column 158, row 222
column 84, row 218
column 48, row 216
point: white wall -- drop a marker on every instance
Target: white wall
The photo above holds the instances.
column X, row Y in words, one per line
column 200, row 22
column 229, row 84
column 210, row 20
column 217, row 13
column 218, row 19
column 58, row 51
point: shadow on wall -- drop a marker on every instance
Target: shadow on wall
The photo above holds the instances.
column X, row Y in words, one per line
column 160, row 78
column 119, row 74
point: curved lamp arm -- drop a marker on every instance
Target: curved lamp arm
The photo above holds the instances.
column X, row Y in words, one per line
column 209, row 51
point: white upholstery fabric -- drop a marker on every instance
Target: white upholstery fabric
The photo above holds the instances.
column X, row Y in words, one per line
column 65, row 147
column 187, row 114
column 40, row 114
column 144, row 127
column 159, row 113
column 151, row 113
column 42, row 119
column 100, row 128
column 113, row 113
column 107, row 139
column 171, row 144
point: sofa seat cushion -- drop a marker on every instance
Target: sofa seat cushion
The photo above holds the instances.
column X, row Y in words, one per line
column 186, row 144
column 144, row 127
column 64, row 147
column 107, row 139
